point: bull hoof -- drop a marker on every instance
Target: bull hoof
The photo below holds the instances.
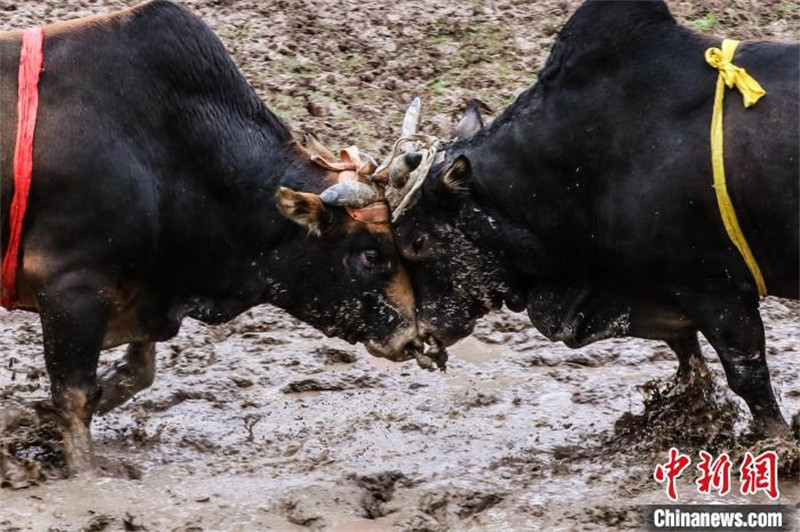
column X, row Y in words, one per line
column 75, row 432
column 127, row 376
column 693, row 376
column 117, row 384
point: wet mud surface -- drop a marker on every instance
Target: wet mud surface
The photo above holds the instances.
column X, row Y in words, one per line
column 265, row 424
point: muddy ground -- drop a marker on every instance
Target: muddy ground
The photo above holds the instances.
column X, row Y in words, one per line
column 265, row 424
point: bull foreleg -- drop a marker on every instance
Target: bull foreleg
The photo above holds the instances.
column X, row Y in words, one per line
column 74, row 313
column 735, row 330
column 132, row 373
column 692, row 369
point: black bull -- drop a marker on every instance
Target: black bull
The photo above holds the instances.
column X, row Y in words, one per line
column 162, row 188
column 589, row 201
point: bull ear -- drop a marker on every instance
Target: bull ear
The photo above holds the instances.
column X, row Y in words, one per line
column 458, row 175
column 471, row 121
column 304, row 209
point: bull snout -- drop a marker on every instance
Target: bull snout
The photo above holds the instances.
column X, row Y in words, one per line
column 445, row 332
column 410, row 343
column 402, row 345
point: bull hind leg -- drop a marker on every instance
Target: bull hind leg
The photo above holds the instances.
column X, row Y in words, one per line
column 127, row 376
column 692, row 368
column 734, row 329
column 74, row 311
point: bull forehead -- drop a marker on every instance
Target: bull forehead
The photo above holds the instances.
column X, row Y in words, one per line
column 424, row 222
column 382, row 231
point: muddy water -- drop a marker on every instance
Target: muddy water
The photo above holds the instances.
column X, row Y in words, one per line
column 264, row 424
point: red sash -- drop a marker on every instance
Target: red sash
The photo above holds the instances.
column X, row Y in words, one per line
column 31, row 60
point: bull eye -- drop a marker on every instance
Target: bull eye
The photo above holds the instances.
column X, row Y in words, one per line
column 369, row 258
column 417, row 244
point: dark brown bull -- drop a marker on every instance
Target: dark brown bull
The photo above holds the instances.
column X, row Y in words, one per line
column 162, row 188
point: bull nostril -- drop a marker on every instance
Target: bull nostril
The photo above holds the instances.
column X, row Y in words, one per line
column 413, row 348
column 429, row 335
column 442, row 337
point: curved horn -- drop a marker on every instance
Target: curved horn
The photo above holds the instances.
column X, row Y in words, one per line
column 411, row 123
column 471, row 121
column 401, row 167
column 412, row 119
column 316, row 147
column 350, row 194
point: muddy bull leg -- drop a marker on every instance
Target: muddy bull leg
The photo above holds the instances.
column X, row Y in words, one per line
column 692, row 367
column 126, row 377
column 734, row 328
column 74, row 312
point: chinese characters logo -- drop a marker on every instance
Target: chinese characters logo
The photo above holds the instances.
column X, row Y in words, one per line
column 756, row 473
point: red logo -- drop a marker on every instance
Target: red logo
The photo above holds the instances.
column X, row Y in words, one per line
column 714, row 475
column 755, row 473
column 760, row 474
column 671, row 470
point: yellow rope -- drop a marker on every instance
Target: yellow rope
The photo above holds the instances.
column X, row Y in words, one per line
column 731, row 75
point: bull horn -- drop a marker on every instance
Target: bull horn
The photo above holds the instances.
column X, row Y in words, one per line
column 411, row 123
column 401, row 167
column 350, row 194
column 316, row 147
column 412, row 119
column 471, row 121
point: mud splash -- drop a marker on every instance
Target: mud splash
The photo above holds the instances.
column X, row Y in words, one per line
column 694, row 416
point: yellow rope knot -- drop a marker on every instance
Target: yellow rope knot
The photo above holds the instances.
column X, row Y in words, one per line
column 731, row 75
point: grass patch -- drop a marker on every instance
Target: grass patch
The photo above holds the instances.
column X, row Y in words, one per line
column 290, row 65
column 788, row 8
column 439, row 85
column 707, row 22
column 240, row 33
